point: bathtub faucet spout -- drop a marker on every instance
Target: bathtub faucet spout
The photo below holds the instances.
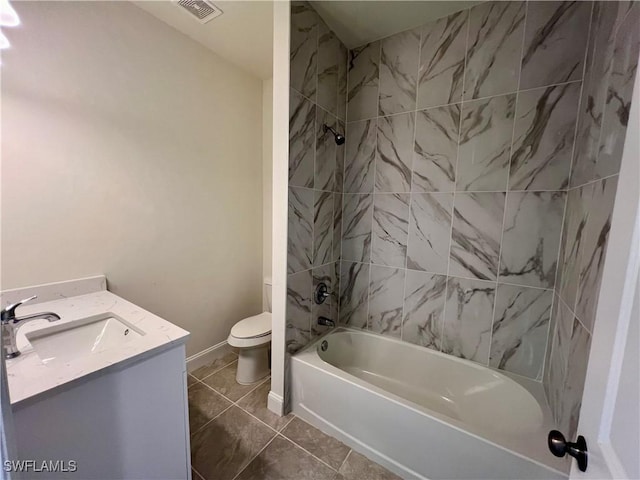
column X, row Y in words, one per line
column 326, row 322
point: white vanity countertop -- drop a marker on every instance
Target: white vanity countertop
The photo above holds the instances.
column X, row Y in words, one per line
column 29, row 377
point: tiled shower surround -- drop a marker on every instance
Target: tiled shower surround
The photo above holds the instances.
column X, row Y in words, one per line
column 317, row 97
column 482, row 152
column 602, row 122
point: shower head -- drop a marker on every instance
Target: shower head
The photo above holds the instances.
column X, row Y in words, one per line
column 338, row 136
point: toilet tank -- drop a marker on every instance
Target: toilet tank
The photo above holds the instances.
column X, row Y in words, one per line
column 266, row 294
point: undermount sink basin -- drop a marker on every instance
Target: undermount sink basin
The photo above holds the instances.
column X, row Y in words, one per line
column 67, row 342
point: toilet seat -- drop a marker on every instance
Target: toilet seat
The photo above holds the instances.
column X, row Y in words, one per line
column 251, row 332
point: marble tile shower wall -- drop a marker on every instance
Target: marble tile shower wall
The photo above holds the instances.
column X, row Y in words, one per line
column 460, row 137
column 611, row 65
column 318, row 62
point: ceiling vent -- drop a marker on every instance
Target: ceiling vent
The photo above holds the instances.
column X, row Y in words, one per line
column 203, row 10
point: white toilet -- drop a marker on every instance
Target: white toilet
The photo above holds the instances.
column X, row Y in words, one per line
column 252, row 337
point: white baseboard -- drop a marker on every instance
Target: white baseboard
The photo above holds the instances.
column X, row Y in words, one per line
column 208, row 355
column 275, row 403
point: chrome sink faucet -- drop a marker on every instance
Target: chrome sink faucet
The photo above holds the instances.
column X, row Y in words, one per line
column 10, row 324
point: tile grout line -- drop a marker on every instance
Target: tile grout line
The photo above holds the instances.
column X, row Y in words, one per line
column 585, row 57
column 203, row 426
column 307, row 451
column 375, row 181
column 345, row 460
column 229, row 400
column 462, row 100
column 197, row 473
column 500, row 282
column 413, row 163
column 254, row 457
column 455, row 181
column 215, row 371
column 506, row 193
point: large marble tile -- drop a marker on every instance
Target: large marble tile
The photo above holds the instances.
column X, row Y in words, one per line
column 215, row 365
column 343, row 65
column 304, row 48
column 436, row 149
column 620, row 90
column 485, row 144
column 357, row 217
column 359, row 467
column 475, row 235
column 574, row 379
column 325, row 163
column 256, row 404
column 283, row 460
column 520, row 327
column 394, row 153
column 594, row 249
column 224, row 382
column 362, row 93
column 204, row 405
column 442, row 60
column 337, row 226
column 326, row 275
column 468, row 315
column 531, row 238
column 573, row 237
column 298, row 333
column 493, row 48
column 399, row 72
column 322, row 227
column 606, row 18
column 302, row 140
column 328, row 58
column 424, row 299
column 326, row 448
column 430, row 232
column 227, row 444
column 354, row 294
column 555, row 42
column 543, row 138
column 300, row 229
column 360, row 156
column 386, row 295
column 390, row 229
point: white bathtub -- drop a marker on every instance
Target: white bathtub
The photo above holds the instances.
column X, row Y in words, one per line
column 421, row 413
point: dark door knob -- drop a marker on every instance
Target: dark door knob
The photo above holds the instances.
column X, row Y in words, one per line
column 560, row 447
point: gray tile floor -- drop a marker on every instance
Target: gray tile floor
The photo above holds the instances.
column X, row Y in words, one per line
column 234, row 436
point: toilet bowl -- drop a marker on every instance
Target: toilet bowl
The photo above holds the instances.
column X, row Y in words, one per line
column 252, row 337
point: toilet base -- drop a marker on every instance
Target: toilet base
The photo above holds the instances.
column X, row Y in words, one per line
column 253, row 365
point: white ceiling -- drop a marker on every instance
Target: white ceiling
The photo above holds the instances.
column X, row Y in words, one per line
column 242, row 35
column 357, row 23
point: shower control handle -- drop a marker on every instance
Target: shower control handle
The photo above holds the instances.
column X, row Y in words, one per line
column 322, row 293
column 560, row 447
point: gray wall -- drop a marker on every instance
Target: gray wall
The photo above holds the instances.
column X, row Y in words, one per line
column 318, row 96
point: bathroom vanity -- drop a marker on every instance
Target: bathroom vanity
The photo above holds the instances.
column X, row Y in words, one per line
column 102, row 390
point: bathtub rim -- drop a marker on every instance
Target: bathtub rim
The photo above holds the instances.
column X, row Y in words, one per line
column 309, row 356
